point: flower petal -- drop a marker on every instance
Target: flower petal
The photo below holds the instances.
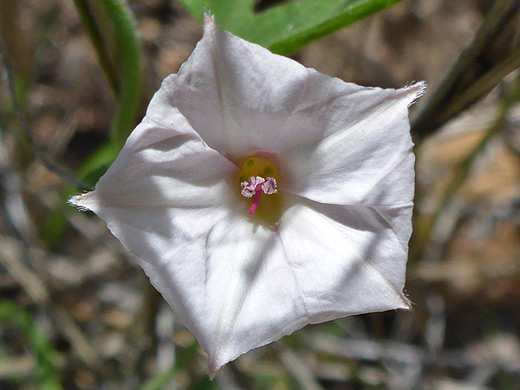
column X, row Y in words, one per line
column 161, row 167
column 311, row 269
column 236, row 94
column 222, row 284
column 371, row 234
column 350, row 264
column 362, row 154
column 208, row 280
column 162, row 181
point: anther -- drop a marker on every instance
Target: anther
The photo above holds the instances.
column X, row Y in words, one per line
column 254, row 188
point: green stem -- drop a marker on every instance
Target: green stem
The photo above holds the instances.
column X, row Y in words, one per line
column 89, row 22
column 124, row 76
column 130, row 72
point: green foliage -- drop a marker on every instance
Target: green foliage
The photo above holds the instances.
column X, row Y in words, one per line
column 120, row 62
column 289, row 26
column 119, row 59
column 129, row 69
column 124, row 77
column 47, row 372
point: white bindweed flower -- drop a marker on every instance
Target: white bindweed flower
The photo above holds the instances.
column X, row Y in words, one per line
column 260, row 196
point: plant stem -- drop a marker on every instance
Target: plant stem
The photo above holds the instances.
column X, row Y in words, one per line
column 88, row 20
column 129, row 68
column 124, row 76
column 489, row 57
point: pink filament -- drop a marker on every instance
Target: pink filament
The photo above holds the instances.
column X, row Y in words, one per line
column 256, row 199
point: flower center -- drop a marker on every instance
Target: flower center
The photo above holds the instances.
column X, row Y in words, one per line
column 257, row 177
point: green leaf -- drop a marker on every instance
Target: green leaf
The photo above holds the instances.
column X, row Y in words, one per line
column 289, row 26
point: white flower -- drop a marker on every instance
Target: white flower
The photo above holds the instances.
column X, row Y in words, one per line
column 260, row 196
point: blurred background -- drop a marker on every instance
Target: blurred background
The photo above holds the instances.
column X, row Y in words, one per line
column 77, row 313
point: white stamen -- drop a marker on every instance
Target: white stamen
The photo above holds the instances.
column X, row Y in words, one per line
column 269, row 186
column 250, row 187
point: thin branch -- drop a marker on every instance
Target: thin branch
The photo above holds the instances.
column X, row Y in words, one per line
column 476, row 71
